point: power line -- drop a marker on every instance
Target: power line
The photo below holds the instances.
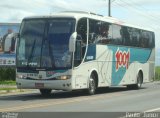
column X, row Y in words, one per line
column 130, row 7
column 133, row 9
column 140, row 8
column 112, row 1
column 150, row 24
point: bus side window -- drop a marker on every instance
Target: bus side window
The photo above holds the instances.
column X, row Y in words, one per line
column 93, row 30
column 105, row 33
column 82, row 30
column 99, row 32
column 125, row 35
column 151, row 40
column 117, row 38
column 81, row 37
column 144, row 39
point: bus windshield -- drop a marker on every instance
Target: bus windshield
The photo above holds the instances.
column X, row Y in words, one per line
column 44, row 43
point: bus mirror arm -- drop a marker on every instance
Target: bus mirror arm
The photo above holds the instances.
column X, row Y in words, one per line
column 18, row 35
column 72, row 41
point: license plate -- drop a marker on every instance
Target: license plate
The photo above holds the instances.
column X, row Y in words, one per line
column 39, row 85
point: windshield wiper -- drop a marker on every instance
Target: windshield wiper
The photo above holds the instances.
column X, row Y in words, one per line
column 31, row 54
column 51, row 53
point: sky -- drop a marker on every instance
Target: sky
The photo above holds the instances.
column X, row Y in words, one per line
column 144, row 13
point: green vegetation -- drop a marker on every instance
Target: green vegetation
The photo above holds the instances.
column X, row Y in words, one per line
column 157, row 73
column 8, row 89
column 11, row 82
column 7, row 74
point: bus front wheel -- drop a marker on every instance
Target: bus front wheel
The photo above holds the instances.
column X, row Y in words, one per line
column 92, row 85
column 45, row 92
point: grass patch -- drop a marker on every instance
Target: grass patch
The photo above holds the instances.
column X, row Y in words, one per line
column 7, row 89
column 11, row 82
column 157, row 73
column 7, row 74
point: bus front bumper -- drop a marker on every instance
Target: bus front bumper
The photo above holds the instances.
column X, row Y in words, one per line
column 44, row 84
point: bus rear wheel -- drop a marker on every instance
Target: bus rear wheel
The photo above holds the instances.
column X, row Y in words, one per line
column 92, row 85
column 45, row 92
column 139, row 81
column 138, row 85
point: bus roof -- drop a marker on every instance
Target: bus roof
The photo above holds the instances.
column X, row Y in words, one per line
column 80, row 14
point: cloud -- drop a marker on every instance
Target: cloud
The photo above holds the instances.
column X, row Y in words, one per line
column 144, row 13
column 145, row 2
column 17, row 8
column 14, row 15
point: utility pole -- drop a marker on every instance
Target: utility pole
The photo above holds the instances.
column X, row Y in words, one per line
column 109, row 8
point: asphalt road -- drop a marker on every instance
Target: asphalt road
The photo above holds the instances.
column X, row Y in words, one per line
column 118, row 99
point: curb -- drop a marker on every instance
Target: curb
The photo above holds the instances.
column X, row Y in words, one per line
column 10, row 91
column 16, row 91
column 8, row 86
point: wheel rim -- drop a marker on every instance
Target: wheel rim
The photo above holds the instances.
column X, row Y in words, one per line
column 139, row 81
column 91, row 86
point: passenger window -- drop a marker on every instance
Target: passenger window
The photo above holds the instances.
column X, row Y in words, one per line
column 125, row 33
column 134, row 36
column 81, row 41
column 82, row 31
column 99, row 32
column 144, row 40
column 117, row 38
column 151, row 40
column 92, row 31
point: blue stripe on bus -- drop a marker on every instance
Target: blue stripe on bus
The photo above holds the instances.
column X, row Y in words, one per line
column 91, row 53
column 135, row 55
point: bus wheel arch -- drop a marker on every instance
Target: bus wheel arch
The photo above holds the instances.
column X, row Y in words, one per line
column 93, row 82
column 141, row 72
column 139, row 80
column 96, row 77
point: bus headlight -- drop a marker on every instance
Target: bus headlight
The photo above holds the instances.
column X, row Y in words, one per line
column 64, row 77
column 19, row 76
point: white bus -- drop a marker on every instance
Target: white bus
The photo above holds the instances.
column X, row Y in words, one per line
column 81, row 50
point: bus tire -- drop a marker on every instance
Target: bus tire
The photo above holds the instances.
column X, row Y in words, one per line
column 139, row 82
column 92, row 85
column 45, row 92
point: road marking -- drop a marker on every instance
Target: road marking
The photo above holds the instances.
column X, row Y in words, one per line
column 152, row 110
column 28, row 106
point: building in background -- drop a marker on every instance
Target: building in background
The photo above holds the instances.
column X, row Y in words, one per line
column 8, row 36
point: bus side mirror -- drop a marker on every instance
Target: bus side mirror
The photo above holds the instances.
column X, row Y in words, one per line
column 17, row 36
column 72, row 41
column 16, row 40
